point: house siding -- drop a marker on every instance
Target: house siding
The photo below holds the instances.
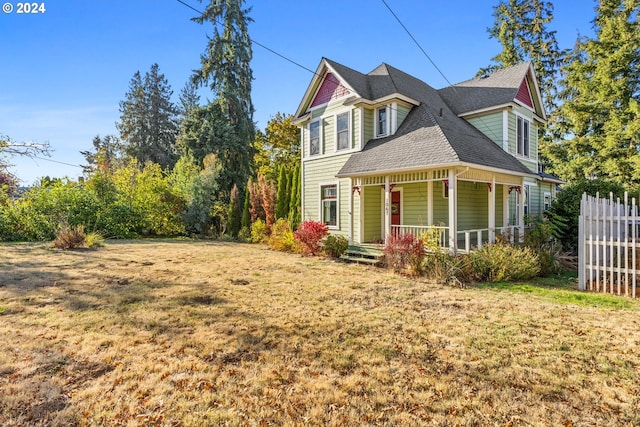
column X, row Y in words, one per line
column 372, row 223
column 402, row 113
column 368, row 125
column 490, row 125
column 415, row 204
column 317, row 172
column 473, row 205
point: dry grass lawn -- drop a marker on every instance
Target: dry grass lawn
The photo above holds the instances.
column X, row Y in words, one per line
column 183, row 333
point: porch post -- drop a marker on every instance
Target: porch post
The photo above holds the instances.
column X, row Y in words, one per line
column 350, row 212
column 492, row 210
column 387, row 203
column 521, row 212
column 453, row 214
column 430, row 203
column 505, row 205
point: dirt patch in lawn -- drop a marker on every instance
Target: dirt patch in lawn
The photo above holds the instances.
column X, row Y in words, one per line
column 183, row 333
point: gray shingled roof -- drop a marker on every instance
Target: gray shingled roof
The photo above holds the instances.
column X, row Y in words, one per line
column 431, row 135
column 498, row 88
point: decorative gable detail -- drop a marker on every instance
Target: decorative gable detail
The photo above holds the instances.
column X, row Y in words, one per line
column 331, row 88
column 524, row 95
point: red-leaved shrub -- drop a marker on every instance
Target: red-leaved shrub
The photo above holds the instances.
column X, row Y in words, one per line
column 404, row 252
column 310, row 235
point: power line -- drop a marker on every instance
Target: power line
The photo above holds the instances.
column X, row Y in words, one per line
column 55, row 161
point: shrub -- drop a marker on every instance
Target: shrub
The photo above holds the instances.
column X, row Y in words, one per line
column 259, row 232
column 282, row 238
column 404, row 252
column 540, row 238
column 310, row 235
column 335, row 246
column 446, row 268
column 94, row 240
column 500, row 262
column 70, row 238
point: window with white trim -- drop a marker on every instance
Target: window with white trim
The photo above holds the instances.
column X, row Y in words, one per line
column 314, row 138
column 522, row 136
column 381, row 121
column 547, row 201
column 342, row 131
column 329, row 204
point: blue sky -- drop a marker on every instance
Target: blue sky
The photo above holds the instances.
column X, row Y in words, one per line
column 63, row 72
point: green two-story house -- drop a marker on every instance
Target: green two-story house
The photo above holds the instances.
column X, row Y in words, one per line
column 386, row 153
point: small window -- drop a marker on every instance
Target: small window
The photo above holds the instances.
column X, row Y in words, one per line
column 381, row 121
column 342, row 130
column 329, row 205
column 547, row 201
column 523, row 136
column 314, row 138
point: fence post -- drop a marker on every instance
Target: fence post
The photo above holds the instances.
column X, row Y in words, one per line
column 581, row 243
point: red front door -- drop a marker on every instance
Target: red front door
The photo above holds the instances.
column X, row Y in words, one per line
column 395, row 208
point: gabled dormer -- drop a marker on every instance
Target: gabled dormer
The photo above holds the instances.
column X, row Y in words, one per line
column 506, row 106
column 342, row 109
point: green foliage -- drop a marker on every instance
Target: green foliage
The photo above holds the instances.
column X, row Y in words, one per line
column 504, row 262
column 148, row 120
column 294, row 202
column 521, row 28
column 259, row 231
column 335, row 246
column 282, row 201
column 108, row 155
column 225, row 67
column 277, row 147
column 235, row 214
column 446, row 268
column 541, row 238
column 246, row 214
column 282, row 238
column 565, row 209
column 599, row 118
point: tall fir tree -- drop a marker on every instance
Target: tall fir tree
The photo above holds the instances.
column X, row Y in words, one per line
column 294, row 203
column 148, row 119
column 225, row 68
column 235, row 213
column 189, row 99
column 600, row 113
column 281, row 209
column 521, row 28
column 107, row 157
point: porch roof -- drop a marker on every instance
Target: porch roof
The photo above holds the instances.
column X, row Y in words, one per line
column 428, row 139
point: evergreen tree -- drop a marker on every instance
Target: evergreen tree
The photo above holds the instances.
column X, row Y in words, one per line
column 148, row 119
column 189, row 99
column 294, row 204
column 600, row 115
column 225, row 67
column 282, row 209
column 246, row 213
column 521, row 28
column 107, row 157
column 235, row 212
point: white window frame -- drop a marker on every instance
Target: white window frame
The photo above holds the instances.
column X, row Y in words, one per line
column 319, row 122
column 387, row 123
column 348, row 130
column 523, row 137
column 322, row 185
column 546, row 196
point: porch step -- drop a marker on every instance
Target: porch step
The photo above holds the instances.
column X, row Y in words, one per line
column 363, row 255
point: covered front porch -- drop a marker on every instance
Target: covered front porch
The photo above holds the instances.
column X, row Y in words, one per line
column 463, row 207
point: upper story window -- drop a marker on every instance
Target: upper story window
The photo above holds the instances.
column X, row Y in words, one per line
column 381, row 121
column 342, row 131
column 522, row 137
column 314, row 138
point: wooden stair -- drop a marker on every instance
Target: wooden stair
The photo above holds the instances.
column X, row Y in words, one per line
column 363, row 255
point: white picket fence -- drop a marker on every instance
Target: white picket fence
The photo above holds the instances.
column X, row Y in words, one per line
column 609, row 233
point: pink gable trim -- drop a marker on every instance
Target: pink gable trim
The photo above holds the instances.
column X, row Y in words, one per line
column 524, row 95
column 331, row 88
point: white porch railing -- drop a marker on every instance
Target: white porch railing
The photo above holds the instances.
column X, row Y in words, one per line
column 467, row 239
